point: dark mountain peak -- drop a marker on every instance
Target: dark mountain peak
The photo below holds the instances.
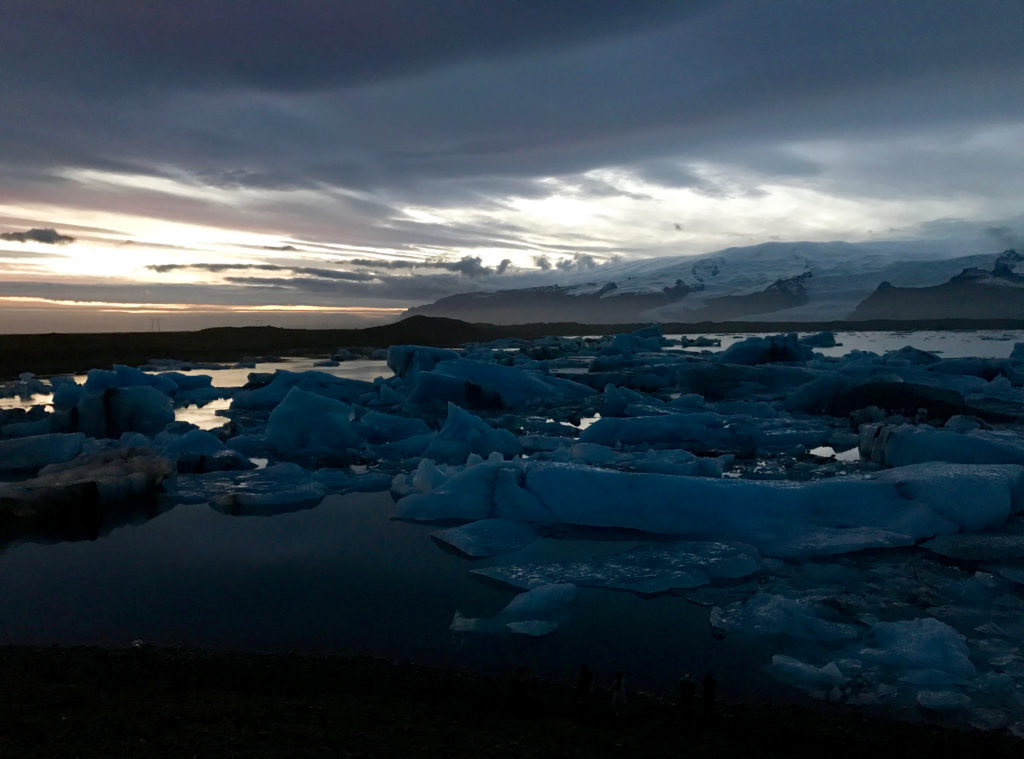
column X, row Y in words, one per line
column 794, row 287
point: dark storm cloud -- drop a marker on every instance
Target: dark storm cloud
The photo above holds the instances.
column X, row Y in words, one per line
column 47, row 235
column 269, row 45
column 463, row 103
column 548, row 77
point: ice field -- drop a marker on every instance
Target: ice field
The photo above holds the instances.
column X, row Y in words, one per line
column 839, row 514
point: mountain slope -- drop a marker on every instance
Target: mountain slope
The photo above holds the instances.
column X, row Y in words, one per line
column 775, row 281
column 974, row 293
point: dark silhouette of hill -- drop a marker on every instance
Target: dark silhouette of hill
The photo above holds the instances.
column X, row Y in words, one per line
column 56, row 353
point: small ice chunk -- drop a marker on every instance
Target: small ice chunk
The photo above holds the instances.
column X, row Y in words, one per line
column 647, row 569
column 769, row 614
column 806, row 676
column 464, row 433
column 923, row 643
column 487, row 537
column 529, row 613
column 407, row 360
column 541, row 602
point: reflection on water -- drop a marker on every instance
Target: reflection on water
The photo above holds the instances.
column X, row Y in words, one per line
column 342, row 577
column 205, row 416
column 948, row 344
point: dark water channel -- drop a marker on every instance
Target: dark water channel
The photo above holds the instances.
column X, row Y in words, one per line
column 345, row 578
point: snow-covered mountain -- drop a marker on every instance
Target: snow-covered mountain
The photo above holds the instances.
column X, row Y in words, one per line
column 974, row 293
column 797, row 281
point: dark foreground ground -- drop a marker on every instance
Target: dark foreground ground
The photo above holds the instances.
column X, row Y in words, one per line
column 46, row 354
column 90, row 702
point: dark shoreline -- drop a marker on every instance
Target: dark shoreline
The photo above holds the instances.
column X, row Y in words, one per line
column 181, row 702
column 56, row 353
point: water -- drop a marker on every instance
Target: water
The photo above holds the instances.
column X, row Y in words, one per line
column 947, row 344
column 340, row 578
column 206, row 416
column 343, row 577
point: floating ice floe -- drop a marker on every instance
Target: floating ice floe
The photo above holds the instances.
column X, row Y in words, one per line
column 646, row 570
column 531, row 613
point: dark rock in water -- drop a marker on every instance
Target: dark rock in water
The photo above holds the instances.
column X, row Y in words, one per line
column 898, row 398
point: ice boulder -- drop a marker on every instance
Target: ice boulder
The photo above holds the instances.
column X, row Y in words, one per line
column 647, row 339
column 820, row 340
column 376, row 427
column 407, row 360
column 29, row 454
column 466, row 496
column 814, row 680
column 529, row 613
column 973, row 496
column 766, row 350
column 487, row 537
column 306, row 421
column 318, row 383
column 768, row 614
column 70, row 495
column 111, row 412
column 482, row 385
column 464, row 433
column 911, row 444
column 779, row 518
column 920, row 644
column 699, row 432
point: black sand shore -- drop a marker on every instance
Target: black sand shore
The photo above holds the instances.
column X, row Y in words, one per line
column 143, row 702
column 46, row 354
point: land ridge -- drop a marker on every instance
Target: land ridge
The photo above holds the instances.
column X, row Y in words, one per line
column 54, row 353
column 67, row 352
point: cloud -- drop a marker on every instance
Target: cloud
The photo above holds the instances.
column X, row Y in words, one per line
column 468, row 266
column 350, row 276
column 542, row 262
column 46, row 235
column 578, row 262
column 1006, row 237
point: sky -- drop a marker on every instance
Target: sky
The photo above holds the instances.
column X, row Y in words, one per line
column 173, row 165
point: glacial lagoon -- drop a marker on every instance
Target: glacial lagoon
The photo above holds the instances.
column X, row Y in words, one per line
column 907, row 596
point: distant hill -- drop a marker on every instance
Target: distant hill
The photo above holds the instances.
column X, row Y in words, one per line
column 974, row 293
